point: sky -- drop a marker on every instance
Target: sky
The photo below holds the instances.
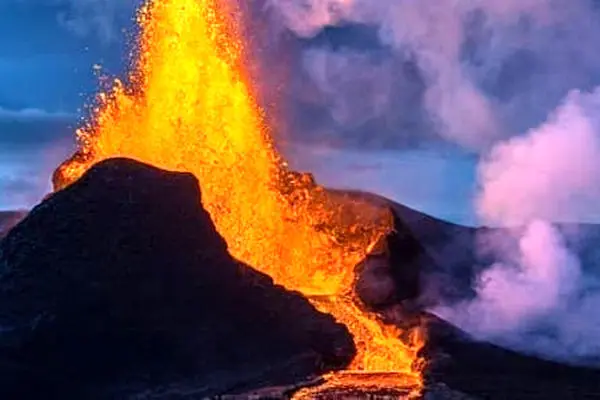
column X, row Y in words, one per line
column 46, row 76
column 397, row 97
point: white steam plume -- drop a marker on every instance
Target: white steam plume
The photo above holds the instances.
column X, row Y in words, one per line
column 537, row 297
column 551, row 173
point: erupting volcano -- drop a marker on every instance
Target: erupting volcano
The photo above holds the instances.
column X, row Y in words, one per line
column 189, row 105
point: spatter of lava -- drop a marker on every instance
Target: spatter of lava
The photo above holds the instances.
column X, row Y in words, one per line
column 188, row 106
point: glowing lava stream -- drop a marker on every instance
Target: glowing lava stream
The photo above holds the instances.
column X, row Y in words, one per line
column 188, row 107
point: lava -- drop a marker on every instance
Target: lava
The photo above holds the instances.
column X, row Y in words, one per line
column 188, row 105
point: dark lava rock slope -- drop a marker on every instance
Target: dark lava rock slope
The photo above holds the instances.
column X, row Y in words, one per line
column 486, row 371
column 120, row 284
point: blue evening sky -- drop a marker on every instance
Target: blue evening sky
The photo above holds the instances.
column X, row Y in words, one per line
column 46, row 77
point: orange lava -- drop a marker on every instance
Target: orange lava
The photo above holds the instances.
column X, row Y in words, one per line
column 188, row 106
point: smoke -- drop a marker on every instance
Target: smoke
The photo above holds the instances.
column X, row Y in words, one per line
column 488, row 69
column 517, row 292
column 538, row 297
column 551, row 173
column 365, row 93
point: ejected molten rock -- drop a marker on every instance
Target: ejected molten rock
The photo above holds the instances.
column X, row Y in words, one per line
column 188, row 106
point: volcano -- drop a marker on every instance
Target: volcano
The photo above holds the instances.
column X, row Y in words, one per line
column 180, row 257
column 110, row 289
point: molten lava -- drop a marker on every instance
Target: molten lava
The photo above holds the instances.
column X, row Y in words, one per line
column 188, row 106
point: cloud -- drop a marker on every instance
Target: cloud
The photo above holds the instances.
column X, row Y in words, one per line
column 28, row 114
column 528, row 285
column 30, row 150
column 365, row 97
column 21, row 192
column 104, row 18
column 551, row 173
column 489, row 69
column 538, row 297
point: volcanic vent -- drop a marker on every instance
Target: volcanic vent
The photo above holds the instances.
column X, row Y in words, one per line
column 188, row 106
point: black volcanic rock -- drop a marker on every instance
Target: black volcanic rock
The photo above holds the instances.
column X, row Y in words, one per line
column 409, row 259
column 487, row 371
column 431, row 260
column 120, row 283
column 391, row 272
column 401, row 257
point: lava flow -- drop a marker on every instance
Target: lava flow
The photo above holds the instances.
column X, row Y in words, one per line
column 188, row 106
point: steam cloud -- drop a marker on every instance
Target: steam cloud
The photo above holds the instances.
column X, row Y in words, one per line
column 538, row 298
column 550, row 173
column 489, row 70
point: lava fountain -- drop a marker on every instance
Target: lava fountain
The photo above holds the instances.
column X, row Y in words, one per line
column 188, row 105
